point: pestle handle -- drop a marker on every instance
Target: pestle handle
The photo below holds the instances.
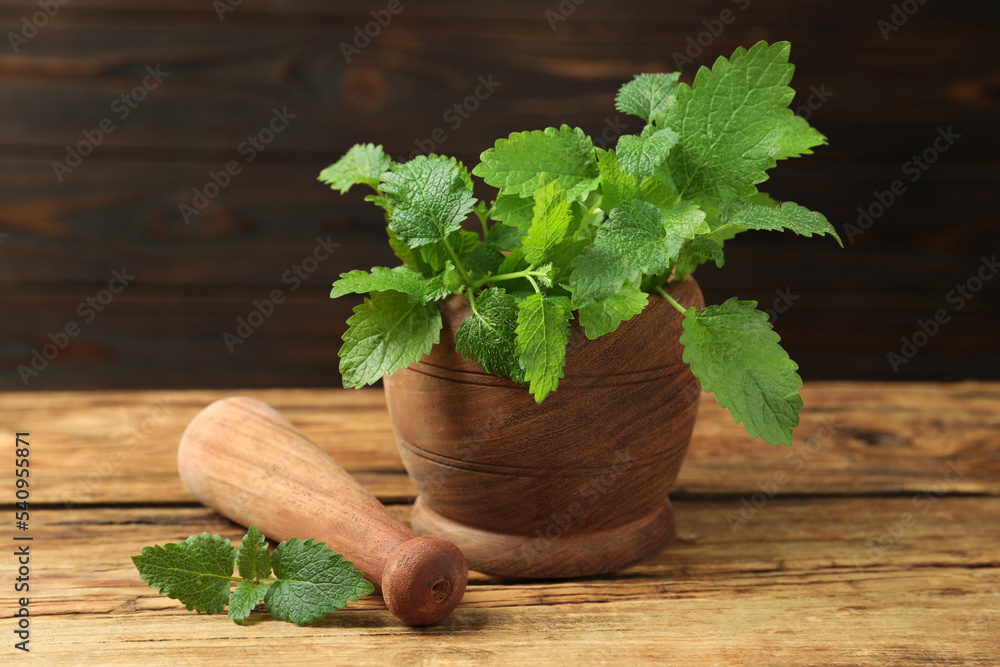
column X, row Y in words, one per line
column 247, row 462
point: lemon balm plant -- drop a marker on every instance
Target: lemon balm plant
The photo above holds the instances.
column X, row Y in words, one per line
column 574, row 231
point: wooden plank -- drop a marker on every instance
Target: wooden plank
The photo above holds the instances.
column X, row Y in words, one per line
column 173, row 338
column 788, row 588
column 114, row 214
column 885, row 99
column 120, row 207
column 853, row 439
column 782, row 12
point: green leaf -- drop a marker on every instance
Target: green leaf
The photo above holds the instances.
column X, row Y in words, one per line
column 659, row 190
column 486, row 335
column 428, row 199
column 636, row 239
column 788, row 215
column 647, row 94
column 603, row 317
column 481, row 261
column 542, row 333
column 399, row 278
column 504, row 237
column 198, row 571
column 515, row 211
column 248, row 594
column 387, row 332
column 684, row 221
column 463, row 172
column 408, row 255
column 797, row 138
column 616, row 185
column 514, row 164
column 379, row 201
column 736, row 354
column 708, row 248
column 561, row 258
column 549, row 223
column 436, row 256
column 311, row 581
column 448, row 281
column 513, row 262
column 363, row 163
column 695, row 253
column 640, row 156
column 253, row 559
column 730, row 123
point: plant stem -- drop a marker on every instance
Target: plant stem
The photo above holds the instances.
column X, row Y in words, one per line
column 472, row 304
column 458, row 264
column 588, row 214
column 502, row 276
column 671, row 300
column 265, row 582
column 528, row 273
column 483, row 219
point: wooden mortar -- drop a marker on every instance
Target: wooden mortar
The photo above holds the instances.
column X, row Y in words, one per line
column 577, row 485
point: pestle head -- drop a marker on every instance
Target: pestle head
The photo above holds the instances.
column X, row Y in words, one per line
column 424, row 580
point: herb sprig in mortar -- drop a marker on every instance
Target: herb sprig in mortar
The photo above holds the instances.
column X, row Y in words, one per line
column 574, row 229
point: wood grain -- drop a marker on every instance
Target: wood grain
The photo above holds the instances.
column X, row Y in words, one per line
column 247, row 462
column 120, row 207
column 853, row 439
column 593, row 464
column 410, row 74
column 787, row 589
column 882, row 548
column 119, row 216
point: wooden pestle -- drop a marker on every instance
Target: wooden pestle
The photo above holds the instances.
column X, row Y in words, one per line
column 246, row 461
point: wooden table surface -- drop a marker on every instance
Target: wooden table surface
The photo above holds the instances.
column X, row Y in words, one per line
column 874, row 539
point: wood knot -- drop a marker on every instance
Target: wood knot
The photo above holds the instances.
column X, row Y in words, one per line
column 877, row 438
column 363, row 90
column 185, row 222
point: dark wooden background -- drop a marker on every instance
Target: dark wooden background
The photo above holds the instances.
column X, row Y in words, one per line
column 119, row 208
